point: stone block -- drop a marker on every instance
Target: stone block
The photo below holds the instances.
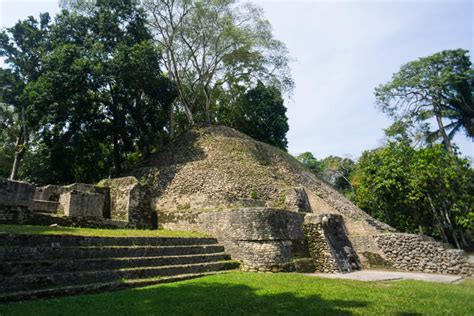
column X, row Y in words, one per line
column 297, row 200
column 329, row 245
column 49, row 192
column 45, row 206
column 130, row 201
column 52, row 192
column 16, row 193
column 179, row 220
column 82, row 204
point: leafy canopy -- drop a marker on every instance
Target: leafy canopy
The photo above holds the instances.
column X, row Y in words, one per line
column 260, row 113
column 427, row 190
column 439, row 86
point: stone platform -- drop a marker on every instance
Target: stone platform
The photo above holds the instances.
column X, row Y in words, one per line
column 378, row 275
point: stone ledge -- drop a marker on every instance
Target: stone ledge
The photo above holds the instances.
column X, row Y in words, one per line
column 16, row 193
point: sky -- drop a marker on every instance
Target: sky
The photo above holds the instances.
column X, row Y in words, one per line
column 342, row 50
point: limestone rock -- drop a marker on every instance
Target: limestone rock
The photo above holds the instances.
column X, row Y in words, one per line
column 297, row 200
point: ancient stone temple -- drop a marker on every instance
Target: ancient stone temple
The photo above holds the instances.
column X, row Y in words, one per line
column 120, row 203
column 268, row 211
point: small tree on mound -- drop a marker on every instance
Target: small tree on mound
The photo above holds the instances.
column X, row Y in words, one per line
column 261, row 114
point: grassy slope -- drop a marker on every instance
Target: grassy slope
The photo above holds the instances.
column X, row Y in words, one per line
column 77, row 231
column 265, row 294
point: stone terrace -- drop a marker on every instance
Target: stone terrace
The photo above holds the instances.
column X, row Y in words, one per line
column 36, row 266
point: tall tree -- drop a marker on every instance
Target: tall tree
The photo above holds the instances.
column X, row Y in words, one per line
column 22, row 46
column 426, row 88
column 261, row 114
column 460, row 107
column 86, row 92
column 8, row 130
column 213, row 44
column 103, row 86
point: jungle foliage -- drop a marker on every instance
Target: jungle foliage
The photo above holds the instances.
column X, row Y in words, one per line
column 104, row 85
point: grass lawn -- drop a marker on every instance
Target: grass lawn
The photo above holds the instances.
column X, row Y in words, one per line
column 239, row 293
column 78, row 231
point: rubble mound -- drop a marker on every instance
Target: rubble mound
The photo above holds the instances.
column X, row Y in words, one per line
column 218, row 168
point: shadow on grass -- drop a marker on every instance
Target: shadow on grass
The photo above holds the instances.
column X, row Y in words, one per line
column 254, row 294
column 187, row 299
column 215, row 298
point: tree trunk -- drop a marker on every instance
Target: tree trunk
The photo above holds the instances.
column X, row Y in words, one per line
column 207, row 116
column 442, row 130
column 189, row 114
column 116, row 138
column 172, row 122
column 117, row 160
column 177, row 79
column 440, row 224
column 451, row 226
column 20, row 147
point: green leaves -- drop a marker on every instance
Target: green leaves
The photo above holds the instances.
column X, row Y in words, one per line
column 261, row 114
column 215, row 51
column 408, row 189
column 440, row 85
column 96, row 96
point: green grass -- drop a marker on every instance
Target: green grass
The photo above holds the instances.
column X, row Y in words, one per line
column 78, row 231
column 241, row 293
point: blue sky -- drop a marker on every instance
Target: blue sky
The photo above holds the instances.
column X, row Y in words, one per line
column 342, row 51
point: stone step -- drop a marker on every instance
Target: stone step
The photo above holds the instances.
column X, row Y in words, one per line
column 97, row 287
column 51, row 253
column 30, row 240
column 44, row 206
column 11, row 268
column 41, row 281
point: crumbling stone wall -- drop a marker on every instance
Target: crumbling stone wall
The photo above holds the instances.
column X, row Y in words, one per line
column 78, row 203
column 266, row 239
column 263, row 239
column 319, row 249
column 16, row 193
column 46, row 198
column 131, row 201
column 15, row 200
column 329, row 245
column 180, row 220
column 419, row 253
column 48, row 193
column 46, row 207
column 297, row 200
column 409, row 252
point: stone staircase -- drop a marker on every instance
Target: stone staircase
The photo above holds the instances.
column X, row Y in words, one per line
column 39, row 266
